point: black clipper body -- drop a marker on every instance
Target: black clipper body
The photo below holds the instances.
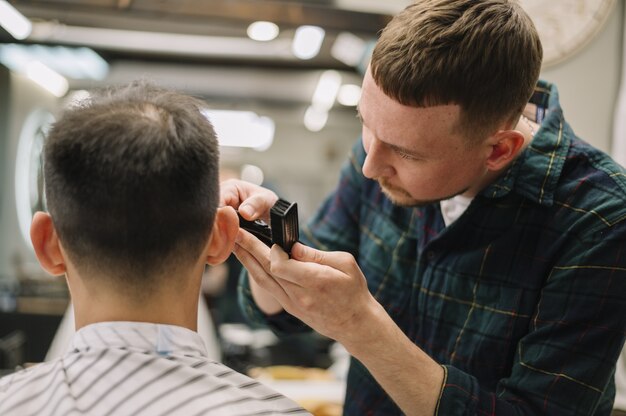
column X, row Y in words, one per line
column 284, row 229
column 284, row 223
column 257, row 228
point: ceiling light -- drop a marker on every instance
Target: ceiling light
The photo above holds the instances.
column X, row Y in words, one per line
column 348, row 49
column 263, row 31
column 349, row 95
column 315, row 119
column 47, row 78
column 326, row 90
column 91, row 64
column 242, row 128
column 76, row 63
column 316, row 116
column 13, row 21
column 159, row 42
column 307, row 41
column 390, row 8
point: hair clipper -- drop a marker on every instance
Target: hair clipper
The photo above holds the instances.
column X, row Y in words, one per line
column 283, row 229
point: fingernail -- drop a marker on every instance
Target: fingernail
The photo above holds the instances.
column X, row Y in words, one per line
column 248, row 210
column 238, row 237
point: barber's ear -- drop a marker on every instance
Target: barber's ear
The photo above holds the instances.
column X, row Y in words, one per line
column 222, row 240
column 505, row 146
column 46, row 244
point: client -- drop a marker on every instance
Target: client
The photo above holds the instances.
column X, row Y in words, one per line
column 131, row 180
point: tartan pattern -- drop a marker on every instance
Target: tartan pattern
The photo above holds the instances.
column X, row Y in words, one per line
column 522, row 299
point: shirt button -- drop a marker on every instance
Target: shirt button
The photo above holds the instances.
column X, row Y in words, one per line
column 430, row 255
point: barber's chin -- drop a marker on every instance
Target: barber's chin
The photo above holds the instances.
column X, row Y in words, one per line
column 402, row 198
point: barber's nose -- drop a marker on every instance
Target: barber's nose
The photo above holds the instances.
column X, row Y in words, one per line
column 376, row 165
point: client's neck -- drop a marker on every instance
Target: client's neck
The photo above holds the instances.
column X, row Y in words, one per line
column 175, row 304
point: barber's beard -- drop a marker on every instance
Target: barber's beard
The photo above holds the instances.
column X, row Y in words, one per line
column 399, row 196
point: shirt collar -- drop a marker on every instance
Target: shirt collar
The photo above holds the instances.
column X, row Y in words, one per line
column 540, row 164
column 140, row 336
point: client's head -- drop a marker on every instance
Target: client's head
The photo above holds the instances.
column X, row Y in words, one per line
column 131, row 181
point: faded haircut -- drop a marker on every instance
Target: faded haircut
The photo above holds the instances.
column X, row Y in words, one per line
column 131, row 181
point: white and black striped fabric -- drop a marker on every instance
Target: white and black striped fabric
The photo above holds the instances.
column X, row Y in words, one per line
column 132, row 368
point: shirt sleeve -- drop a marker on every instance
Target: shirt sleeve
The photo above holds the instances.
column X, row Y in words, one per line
column 335, row 227
column 565, row 363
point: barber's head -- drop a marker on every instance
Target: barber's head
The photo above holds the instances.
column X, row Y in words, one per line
column 131, row 180
column 447, row 83
column 484, row 55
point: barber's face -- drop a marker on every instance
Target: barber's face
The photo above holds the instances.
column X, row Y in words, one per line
column 418, row 155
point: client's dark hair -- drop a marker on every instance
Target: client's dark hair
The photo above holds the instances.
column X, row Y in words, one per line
column 131, row 180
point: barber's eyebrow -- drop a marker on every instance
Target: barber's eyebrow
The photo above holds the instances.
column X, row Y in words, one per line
column 410, row 152
column 396, row 148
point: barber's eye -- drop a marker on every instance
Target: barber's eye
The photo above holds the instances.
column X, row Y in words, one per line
column 406, row 156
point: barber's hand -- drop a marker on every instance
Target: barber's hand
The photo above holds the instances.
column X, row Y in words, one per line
column 326, row 290
column 252, row 201
column 255, row 257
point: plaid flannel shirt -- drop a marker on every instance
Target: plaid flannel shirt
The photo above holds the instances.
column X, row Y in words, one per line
column 522, row 299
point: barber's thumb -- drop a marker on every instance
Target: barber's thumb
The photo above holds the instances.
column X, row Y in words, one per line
column 247, row 210
column 255, row 207
column 305, row 253
column 338, row 260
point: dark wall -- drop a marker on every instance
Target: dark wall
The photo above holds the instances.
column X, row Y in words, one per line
column 35, row 333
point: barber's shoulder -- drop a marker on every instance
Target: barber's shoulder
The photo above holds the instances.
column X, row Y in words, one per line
column 603, row 174
column 592, row 187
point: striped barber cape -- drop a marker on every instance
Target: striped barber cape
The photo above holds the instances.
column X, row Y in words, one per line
column 132, row 368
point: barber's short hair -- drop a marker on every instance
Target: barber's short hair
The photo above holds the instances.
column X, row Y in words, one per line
column 483, row 55
column 131, row 181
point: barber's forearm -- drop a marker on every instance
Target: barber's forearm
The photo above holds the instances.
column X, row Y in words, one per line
column 410, row 377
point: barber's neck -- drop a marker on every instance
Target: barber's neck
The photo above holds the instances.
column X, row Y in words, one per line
column 175, row 303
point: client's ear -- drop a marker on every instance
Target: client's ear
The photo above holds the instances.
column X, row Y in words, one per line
column 46, row 244
column 222, row 240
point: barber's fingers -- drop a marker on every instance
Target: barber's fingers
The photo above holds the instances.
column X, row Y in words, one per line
column 258, row 206
column 254, row 249
column 338, row 260
column 251, row 200
column 308, row 273
column 254, row 256
column 255, row 253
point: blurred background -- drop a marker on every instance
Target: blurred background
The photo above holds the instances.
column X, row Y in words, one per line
column 281, row 80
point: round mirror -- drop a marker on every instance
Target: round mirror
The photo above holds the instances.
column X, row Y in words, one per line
column 29, row 186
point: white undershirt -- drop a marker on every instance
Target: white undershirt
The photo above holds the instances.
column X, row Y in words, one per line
column 453, row 208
